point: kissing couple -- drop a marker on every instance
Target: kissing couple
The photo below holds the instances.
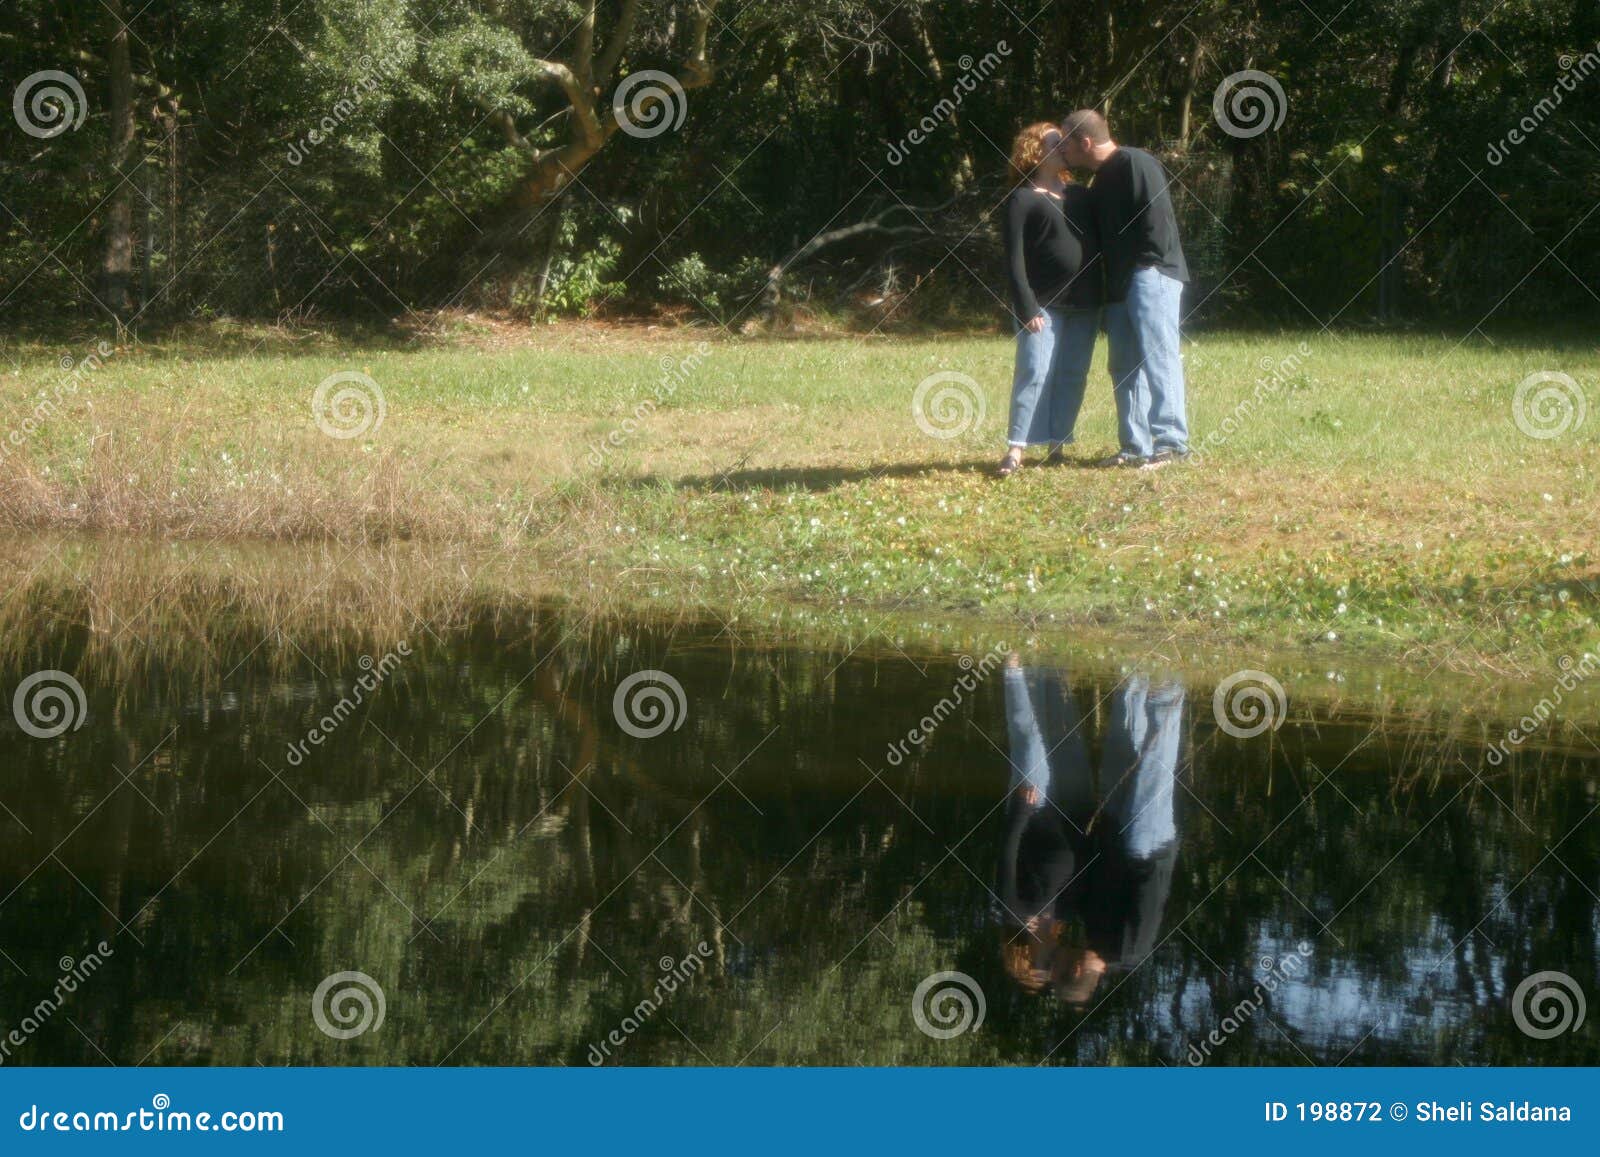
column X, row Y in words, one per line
column 1078, row 254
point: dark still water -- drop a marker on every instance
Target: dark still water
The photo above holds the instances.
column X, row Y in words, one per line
column 546, row 840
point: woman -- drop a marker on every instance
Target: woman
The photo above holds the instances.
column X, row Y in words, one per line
column 1053, row 265
column 1087, row 860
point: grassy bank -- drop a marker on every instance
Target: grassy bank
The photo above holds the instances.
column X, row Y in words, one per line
column 1366, row 493
column 131, row 613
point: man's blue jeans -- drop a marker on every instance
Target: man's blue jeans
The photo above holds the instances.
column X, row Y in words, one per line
column 1147, row 366
column 1052, row 374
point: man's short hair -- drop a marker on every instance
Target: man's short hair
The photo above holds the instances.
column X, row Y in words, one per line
column 1086, row 123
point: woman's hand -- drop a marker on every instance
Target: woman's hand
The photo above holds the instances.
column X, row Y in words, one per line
column 1036, row 325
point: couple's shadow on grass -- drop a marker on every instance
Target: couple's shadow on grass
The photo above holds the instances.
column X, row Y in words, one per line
column 818, row 478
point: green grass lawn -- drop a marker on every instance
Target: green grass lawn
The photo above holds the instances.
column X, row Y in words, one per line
column 1361, row 491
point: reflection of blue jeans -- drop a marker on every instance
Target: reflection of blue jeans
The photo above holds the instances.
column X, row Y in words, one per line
column 1141, row 763
column 1046, row 747
column 1146, row 367
column 1052, row 372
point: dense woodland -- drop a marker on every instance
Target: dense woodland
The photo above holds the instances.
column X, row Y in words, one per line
column 293, row 159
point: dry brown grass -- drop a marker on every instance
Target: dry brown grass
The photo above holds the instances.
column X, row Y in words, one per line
column 791, row 474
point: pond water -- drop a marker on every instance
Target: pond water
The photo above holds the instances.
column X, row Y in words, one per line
column 543, row 839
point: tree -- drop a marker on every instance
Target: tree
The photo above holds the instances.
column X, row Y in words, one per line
column 118, row 267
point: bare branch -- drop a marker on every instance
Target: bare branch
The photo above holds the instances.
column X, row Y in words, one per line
column 583, row 49
column 618, row 40
column 580, row 98
column 507, row 124
column 698, row 70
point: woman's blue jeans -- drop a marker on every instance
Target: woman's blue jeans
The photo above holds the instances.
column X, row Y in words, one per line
column 1051, row 376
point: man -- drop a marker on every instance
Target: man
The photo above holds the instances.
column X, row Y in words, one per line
column 1145, row 274
column 1080, row 848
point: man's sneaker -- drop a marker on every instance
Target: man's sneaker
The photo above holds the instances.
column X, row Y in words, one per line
column 1161, row 457
column 1116, row 460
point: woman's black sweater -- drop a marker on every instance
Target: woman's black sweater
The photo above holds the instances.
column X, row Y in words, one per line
column 1052, row 251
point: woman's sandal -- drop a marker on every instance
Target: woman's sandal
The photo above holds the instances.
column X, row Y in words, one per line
column 1009, row 465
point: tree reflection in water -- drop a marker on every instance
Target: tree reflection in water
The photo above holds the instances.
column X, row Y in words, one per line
column 512, row 867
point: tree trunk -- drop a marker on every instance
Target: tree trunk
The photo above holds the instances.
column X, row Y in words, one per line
column 1391, row 207
column 118, row 266
column 541, row 284
column 964, row 168
column 175, row 265
column 1108, row 50
column 592, row 123
column 1191, row 82
column 147, row 226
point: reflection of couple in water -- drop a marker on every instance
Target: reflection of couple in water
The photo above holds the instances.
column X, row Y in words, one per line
column 1086, row 862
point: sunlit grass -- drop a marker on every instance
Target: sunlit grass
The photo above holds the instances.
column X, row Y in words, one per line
column 1375, row 492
